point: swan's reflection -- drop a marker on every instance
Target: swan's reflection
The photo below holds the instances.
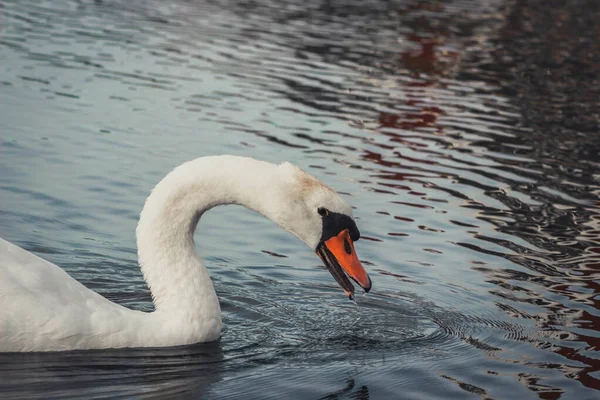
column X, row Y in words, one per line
column 184, row 371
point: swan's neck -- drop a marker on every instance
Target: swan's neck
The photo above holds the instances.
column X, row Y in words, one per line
column 179, row 282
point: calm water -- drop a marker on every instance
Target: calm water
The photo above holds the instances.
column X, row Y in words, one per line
column 465, row 133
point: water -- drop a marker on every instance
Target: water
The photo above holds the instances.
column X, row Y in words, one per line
column 465, row 133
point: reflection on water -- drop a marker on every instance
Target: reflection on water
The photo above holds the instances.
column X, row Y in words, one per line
column 179, row 371
column 464, row 133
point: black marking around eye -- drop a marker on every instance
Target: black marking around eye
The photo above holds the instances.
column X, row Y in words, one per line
column 334, row 223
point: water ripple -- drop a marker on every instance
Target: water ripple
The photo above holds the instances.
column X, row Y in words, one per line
column 474, row 176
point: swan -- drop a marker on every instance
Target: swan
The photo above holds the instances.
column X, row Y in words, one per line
column 42, row 308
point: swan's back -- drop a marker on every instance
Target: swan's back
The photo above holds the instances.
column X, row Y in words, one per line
column 41, row 304
column 24, row 274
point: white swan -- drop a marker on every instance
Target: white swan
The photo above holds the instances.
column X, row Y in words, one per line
column 42, row 308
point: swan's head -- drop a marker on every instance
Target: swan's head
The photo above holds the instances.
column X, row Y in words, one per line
column 323, row 220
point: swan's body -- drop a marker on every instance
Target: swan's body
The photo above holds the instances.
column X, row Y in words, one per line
column 42, row 308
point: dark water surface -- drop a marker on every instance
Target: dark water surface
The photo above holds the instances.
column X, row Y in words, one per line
column 465, row 133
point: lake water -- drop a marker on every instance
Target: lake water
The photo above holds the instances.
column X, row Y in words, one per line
column 464, row 133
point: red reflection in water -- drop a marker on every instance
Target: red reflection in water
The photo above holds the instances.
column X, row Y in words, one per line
column 420, row 114
column 426, row 117
column 423, row 60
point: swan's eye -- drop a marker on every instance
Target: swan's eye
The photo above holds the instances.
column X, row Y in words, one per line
column 323, row 211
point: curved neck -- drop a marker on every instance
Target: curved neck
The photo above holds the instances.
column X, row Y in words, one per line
column 174, row 272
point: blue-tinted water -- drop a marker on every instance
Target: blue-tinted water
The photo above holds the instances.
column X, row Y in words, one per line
column 480, row 220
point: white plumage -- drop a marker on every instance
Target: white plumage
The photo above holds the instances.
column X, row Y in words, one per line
column 42, row 308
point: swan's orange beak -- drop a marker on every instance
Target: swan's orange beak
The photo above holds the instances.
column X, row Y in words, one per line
column 339, row 256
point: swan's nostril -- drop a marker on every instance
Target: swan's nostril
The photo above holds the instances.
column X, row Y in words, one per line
column 347, row 246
